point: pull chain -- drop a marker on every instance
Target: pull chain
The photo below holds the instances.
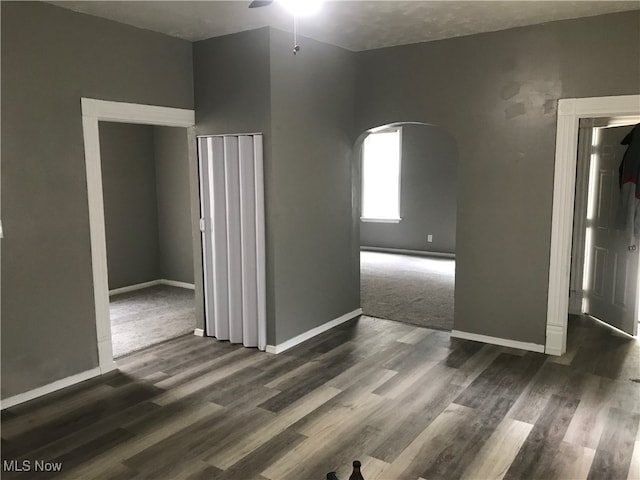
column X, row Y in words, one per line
column 296, row 47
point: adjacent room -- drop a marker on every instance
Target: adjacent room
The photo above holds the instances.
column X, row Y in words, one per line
column 307, row 309
column 408, row 229
column 145, row 184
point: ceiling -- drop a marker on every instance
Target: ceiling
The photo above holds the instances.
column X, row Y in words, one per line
column 354, row 25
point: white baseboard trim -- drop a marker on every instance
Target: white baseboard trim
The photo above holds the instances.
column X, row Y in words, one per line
column 556, row 352
column 133, row 288
column 109, row 367
column 503, row 342
column 50, row 388
column 403, row 251
column 556, row 340
column 292, row 342
column 161, row 281
column 175, row 283
column 199, row 332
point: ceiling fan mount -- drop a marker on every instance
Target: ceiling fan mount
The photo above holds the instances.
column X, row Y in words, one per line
column 297, row 8
column 260, row 3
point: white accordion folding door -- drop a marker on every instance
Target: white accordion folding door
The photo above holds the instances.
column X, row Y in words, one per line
column 232, row 224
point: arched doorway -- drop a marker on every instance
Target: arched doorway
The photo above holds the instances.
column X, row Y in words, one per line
column 407, row 257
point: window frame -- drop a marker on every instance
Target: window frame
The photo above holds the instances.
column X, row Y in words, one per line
column 362, row 179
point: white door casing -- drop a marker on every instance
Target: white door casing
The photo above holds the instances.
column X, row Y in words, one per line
column 94, row 111
column 576, row 292
column 570, row 111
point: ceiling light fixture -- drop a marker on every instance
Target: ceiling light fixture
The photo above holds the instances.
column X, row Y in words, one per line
column 301, row 8
column 298, row 8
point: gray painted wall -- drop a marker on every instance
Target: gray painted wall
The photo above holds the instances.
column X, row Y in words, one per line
column 427, row 195
column 316, row 271
column 232, row 83
column 50, row 58
column 250, row 82
column 497, row 94
column 232, row 93
column 173, row 204
column 130, row 204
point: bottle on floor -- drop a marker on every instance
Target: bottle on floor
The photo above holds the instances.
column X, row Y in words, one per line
column 355, row 475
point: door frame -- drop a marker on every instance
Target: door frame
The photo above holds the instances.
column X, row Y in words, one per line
column 94, row 111
column 570, row 111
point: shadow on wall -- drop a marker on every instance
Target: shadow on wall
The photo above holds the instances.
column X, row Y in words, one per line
column 428, row 190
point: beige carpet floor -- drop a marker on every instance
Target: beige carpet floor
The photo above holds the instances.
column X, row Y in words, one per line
column 149, row 316
column 410, row 289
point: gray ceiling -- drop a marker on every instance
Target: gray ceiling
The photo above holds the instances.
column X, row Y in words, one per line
column 354, row 25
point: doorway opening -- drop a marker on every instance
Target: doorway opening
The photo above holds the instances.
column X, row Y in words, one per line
column 94, row 112
column 604, row 261
column 406, row 194
column 145, row 183
column 570, row 112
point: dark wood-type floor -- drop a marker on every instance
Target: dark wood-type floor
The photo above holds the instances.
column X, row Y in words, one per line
column 407, row 401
